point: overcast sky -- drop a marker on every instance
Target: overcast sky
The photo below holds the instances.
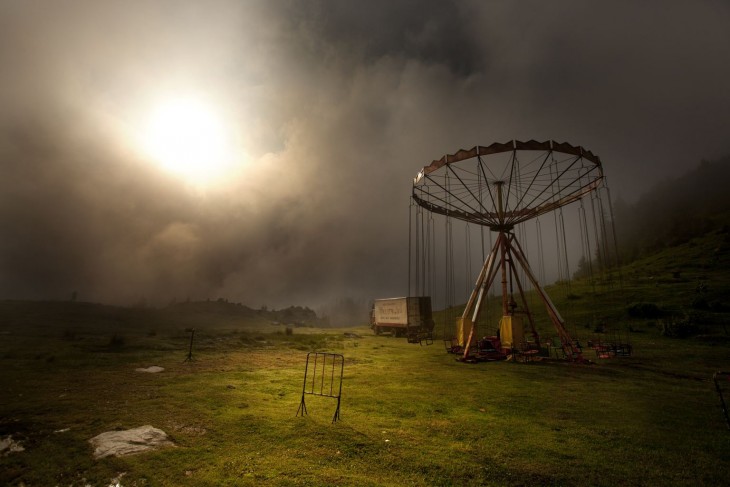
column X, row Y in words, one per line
column 330, row 108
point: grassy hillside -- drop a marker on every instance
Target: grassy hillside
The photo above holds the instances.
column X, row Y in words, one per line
column 675, row 211
column 686, row 285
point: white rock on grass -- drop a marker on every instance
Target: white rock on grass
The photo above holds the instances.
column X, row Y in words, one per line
column 152, row 370
column 127, row 442
column 9, row 445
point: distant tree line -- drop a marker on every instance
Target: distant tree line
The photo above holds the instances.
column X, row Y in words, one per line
column 296, row 315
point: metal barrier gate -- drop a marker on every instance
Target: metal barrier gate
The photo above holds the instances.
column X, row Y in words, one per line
column 323, row 378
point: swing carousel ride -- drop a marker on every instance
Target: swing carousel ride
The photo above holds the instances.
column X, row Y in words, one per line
column 500, row 187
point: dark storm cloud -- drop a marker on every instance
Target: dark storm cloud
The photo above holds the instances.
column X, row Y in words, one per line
column 431, row 32
column 338, row 105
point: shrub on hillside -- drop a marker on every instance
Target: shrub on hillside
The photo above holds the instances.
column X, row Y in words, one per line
column 700, row 302
column 645, row 311
column 116, row 342
column 680, row 327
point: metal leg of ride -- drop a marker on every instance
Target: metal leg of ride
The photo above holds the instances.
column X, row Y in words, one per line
column 572, row 352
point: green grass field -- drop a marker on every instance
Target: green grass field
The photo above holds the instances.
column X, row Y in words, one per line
column 410, row 414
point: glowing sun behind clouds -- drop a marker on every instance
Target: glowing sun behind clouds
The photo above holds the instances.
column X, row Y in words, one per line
column 188, row 137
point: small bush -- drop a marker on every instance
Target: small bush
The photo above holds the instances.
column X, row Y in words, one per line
column 679, row 327
column 116, row 342
column 699, row 302
column 644, row 311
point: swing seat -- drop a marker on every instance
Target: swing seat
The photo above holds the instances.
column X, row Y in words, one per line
column 421, row 337
column 452, row 346
column 603, row 350
column 489, row 349
column 605, row 353
column 557, row 347
column 526, row 352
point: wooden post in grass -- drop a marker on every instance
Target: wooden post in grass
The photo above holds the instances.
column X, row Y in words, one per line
column 722, row 375
column 189, row 358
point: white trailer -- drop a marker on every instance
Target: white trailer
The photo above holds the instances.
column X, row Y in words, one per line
column 407, row 316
